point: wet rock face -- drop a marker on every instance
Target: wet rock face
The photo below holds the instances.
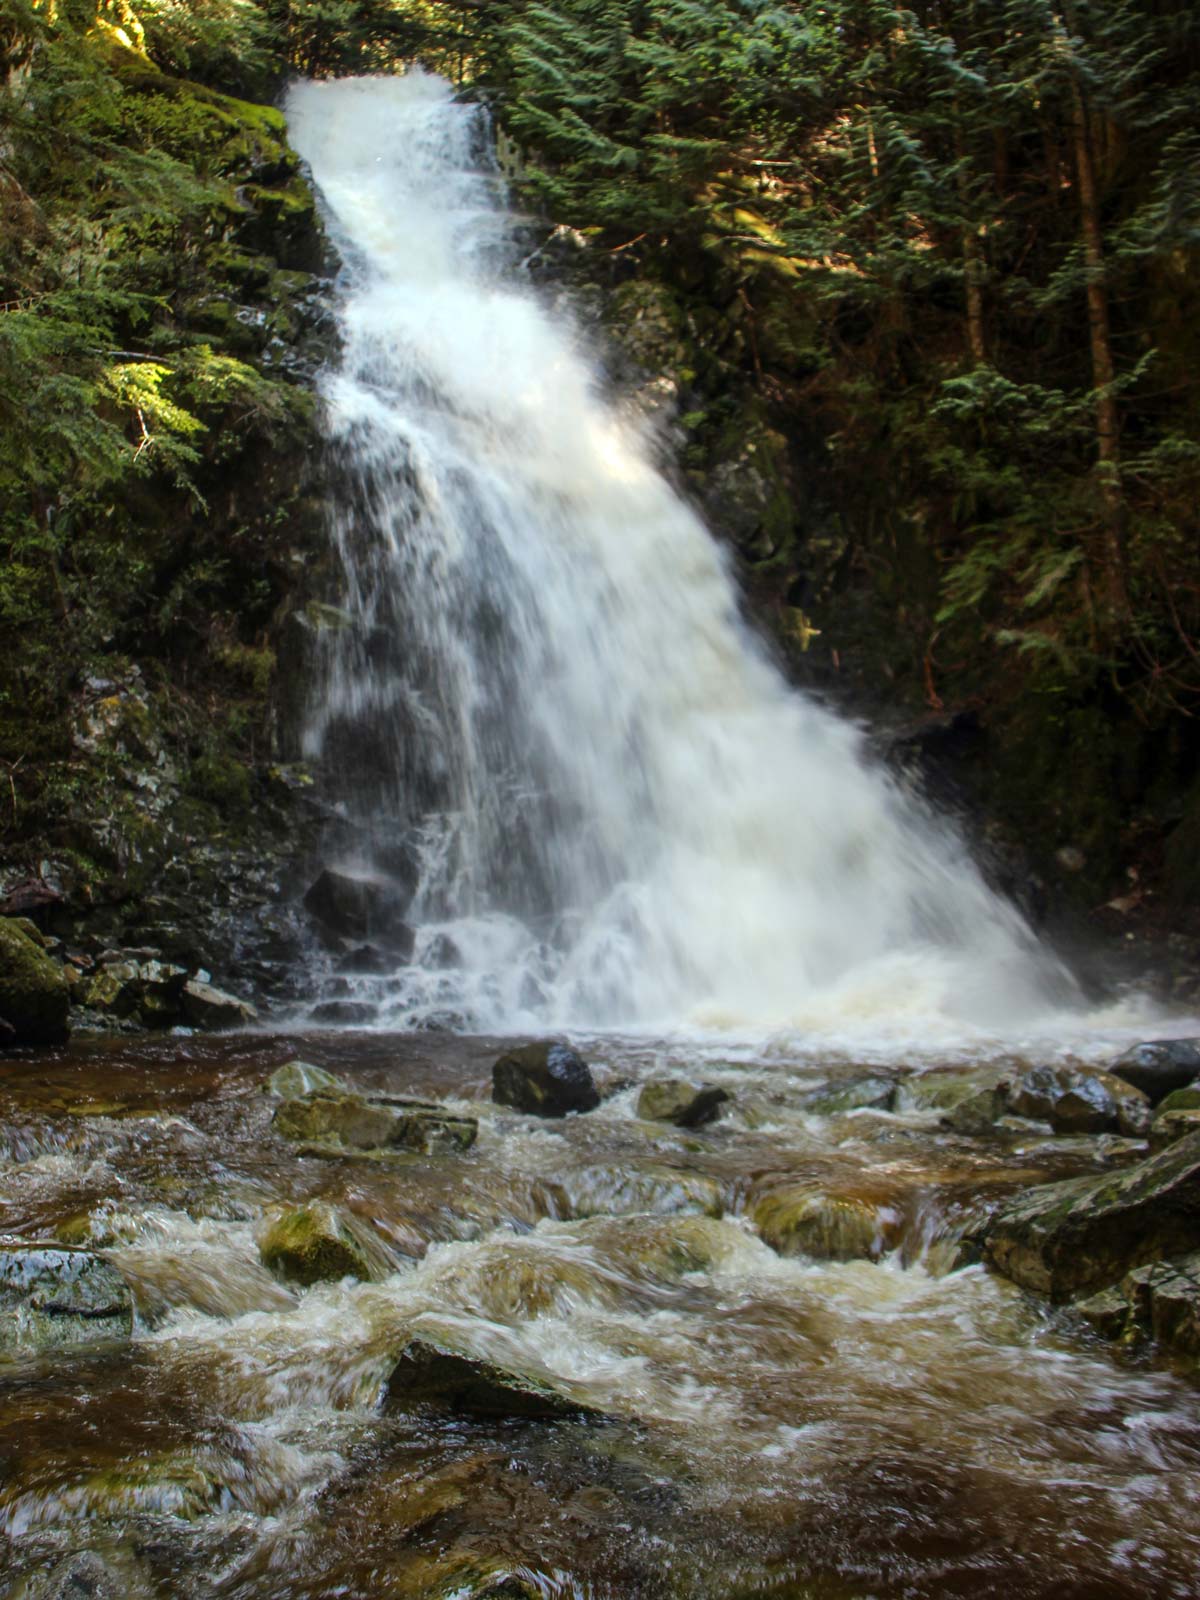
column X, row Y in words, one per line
column 34, row 996
column 54, row 1297
column 361, row 907
column 1066, row 1239
column 546, row 1079
column 1160, row 1301
column 687, row 1105
column 1160, row 1066
column 319, row 1242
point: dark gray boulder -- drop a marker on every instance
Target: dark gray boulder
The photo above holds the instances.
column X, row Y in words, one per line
column 1160, row 1066
column 361, row 906
column 545, row 1079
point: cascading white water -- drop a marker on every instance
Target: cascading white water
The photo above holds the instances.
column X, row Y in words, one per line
column 625, row 817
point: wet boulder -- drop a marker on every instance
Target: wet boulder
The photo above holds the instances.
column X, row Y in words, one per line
column 1159, row 1301
column 160, row 996
column 352, row 1121
column 34, row 997
column 675, row 1100
column 431, row 1373
column 545, row 1079
column 1160, row 1066
column 830, row 1217
column 52, row 1297
column 211, row 1009
column 368, row 960
column 319, row 1242
column 1066, row 1239
column 297, row 1078
column 1181, row 1100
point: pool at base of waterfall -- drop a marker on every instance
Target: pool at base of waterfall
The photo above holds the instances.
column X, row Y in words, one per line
column 725, row 1334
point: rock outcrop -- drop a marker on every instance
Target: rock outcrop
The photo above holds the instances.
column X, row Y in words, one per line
column 1069, row 1239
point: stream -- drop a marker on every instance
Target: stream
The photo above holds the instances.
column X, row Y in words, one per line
column 750, row 1423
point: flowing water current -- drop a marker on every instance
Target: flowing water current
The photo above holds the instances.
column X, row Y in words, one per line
column 611, row 818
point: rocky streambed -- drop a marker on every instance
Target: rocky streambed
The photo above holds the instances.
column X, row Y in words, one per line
column 355, row 1314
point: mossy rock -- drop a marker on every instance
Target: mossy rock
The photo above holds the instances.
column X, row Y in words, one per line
column 34, row 995
column 295, row 1079
column 350, row 1121
column 687, row 1105
column 54, row 1297
column 319, row 1243
column 1067, row 1239
column 1181, row 1100
column 1170, row 1126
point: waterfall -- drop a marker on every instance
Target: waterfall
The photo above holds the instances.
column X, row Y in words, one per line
column 543, row 706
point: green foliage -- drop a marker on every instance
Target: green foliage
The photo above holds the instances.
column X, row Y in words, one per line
column 121, row 403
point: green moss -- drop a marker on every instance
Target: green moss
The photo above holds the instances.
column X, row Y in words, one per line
column 222, row 782
column 34, row 997
column 320, row 1243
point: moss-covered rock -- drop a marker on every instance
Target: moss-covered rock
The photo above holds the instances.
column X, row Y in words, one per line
column 1066, row 1239
column 34, row 996
column 332, row 1120
column 1169, row 1126
column 319, row 1242
column 687, row 1105
column 295, row 1079
column 53, row 1297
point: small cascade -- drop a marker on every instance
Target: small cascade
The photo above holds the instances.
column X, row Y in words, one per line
column 543, row 712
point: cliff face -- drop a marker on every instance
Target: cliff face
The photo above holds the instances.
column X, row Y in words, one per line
column 168, row 309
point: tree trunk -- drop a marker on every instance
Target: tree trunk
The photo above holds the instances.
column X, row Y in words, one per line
column 1108, row 421
column 973, row 262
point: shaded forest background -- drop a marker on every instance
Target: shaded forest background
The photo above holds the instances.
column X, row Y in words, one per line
column 920, row 285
